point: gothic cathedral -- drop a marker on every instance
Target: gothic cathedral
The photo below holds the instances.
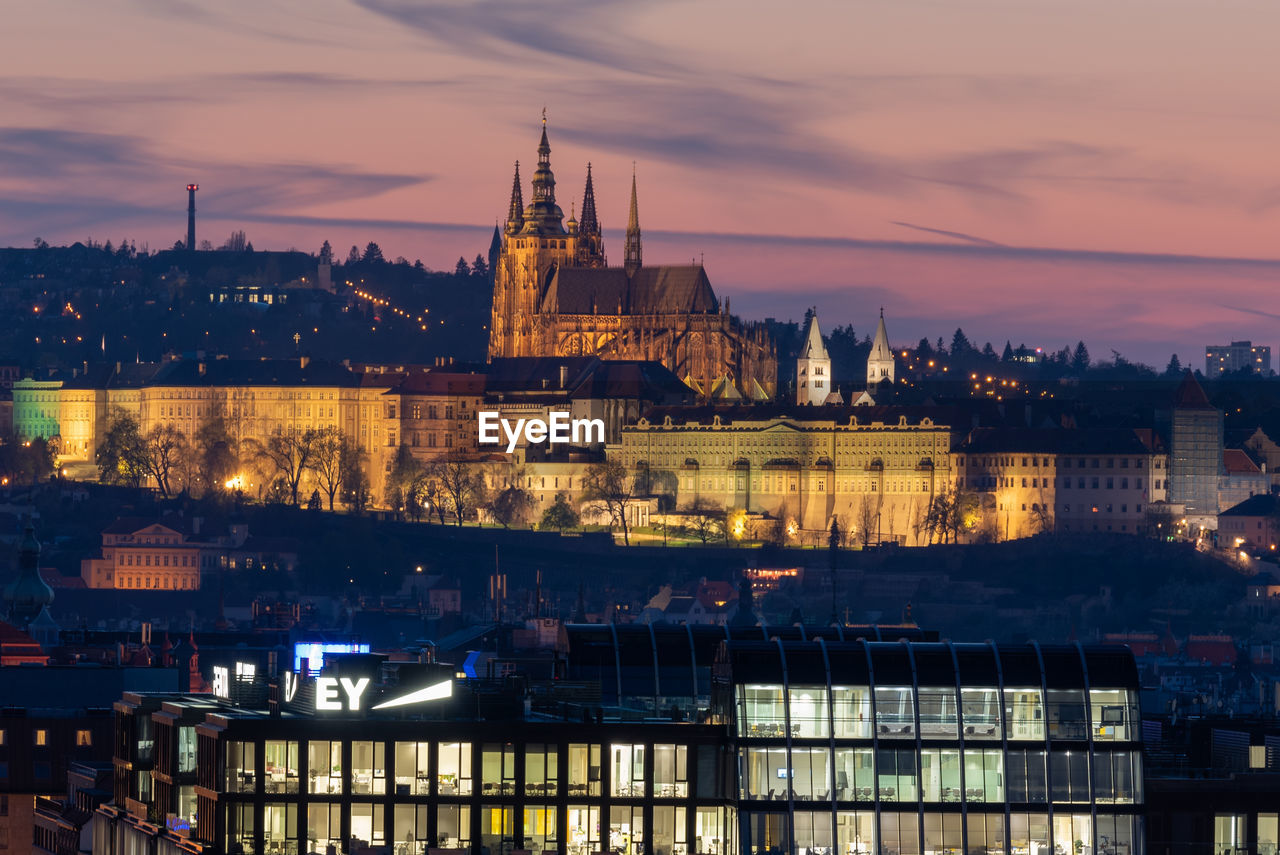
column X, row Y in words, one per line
column 555, row 295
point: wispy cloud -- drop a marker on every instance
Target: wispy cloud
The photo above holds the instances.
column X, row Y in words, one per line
column 947, row 233
column 74, row 179
column 576, row 32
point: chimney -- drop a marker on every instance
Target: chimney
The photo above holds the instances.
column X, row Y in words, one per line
column 200, row 368
column 303, row 360
column 117, row 367
column 564, row 376
column 191, row 216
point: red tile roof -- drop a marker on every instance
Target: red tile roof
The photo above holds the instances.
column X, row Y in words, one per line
column 1237, row 462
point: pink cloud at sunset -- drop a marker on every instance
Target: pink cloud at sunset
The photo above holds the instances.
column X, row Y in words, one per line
column 1043, row 171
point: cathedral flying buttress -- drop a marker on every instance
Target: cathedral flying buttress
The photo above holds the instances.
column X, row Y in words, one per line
column 555, row 295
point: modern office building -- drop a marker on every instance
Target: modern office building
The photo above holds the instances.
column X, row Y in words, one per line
column 651, row 739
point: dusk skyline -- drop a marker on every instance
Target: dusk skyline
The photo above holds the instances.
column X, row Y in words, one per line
column 1050, row 171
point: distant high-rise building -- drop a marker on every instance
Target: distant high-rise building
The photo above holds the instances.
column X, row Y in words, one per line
column 813, row 367
column 1229, row 358
column 880, row 360
column 1195, row 450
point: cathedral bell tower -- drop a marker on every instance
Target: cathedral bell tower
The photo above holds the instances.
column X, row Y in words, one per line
column 534, row 242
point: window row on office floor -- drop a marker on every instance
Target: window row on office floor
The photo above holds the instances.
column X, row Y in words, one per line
column 899, row 833
column 1231, row 833
column 974, row 776
column 288, row 828
column 895, row 712
column 361, row 767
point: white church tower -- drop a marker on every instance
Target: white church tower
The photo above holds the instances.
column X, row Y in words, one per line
column 880, row 360
column 813, row 367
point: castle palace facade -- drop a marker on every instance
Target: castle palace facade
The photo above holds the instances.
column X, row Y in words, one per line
column 555, row 295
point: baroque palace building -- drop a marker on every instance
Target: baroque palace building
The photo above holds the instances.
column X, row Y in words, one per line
column 875, row 469
column 254, row 398
column 555, row 295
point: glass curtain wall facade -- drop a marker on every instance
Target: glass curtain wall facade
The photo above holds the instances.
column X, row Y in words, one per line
column 407, row 787
column 810, row 742
column 936, row 749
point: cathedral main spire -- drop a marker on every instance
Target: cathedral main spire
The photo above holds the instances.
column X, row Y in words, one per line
column 543, row 216
column 515, row 212
column 632, row 261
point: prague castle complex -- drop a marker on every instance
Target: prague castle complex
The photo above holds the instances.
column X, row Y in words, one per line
column 555, row 295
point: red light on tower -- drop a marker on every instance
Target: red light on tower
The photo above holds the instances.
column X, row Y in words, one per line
column 193, row 187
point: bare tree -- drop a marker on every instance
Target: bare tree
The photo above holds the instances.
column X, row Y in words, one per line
column 916, row 519
column 511, row 505
column 510, row 501
column 216, row 452
column 950, row 513
column 287, row 455
column 1041, row 516
column 355, row 482
column 327, row 452
column 608, row 484
column 865, row 518
column 458, row 484
column 162, row 448
column 705, row 518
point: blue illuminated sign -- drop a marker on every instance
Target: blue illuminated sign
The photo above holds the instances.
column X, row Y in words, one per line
column 313, row 653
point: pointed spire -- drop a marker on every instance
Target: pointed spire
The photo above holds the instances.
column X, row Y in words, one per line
column 515, row 213
column 495, row 250
column 589, row 224
column 543, row 213
column 880, row 364
column 880, row 346
column 813, row 347
column 544, row 183
column 632, row 262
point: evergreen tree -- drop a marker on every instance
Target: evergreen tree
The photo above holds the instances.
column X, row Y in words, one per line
column 1175, row 367
column 988, row 352
column 960, row 345
column 924, row 350
column 462, row 268
column 1007, row 355
column 326, row 253
column 480, row 267
column 373, row 254
column 353, row 257
column 1080, row 359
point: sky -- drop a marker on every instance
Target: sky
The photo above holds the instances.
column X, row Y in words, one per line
column 1037, row 170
